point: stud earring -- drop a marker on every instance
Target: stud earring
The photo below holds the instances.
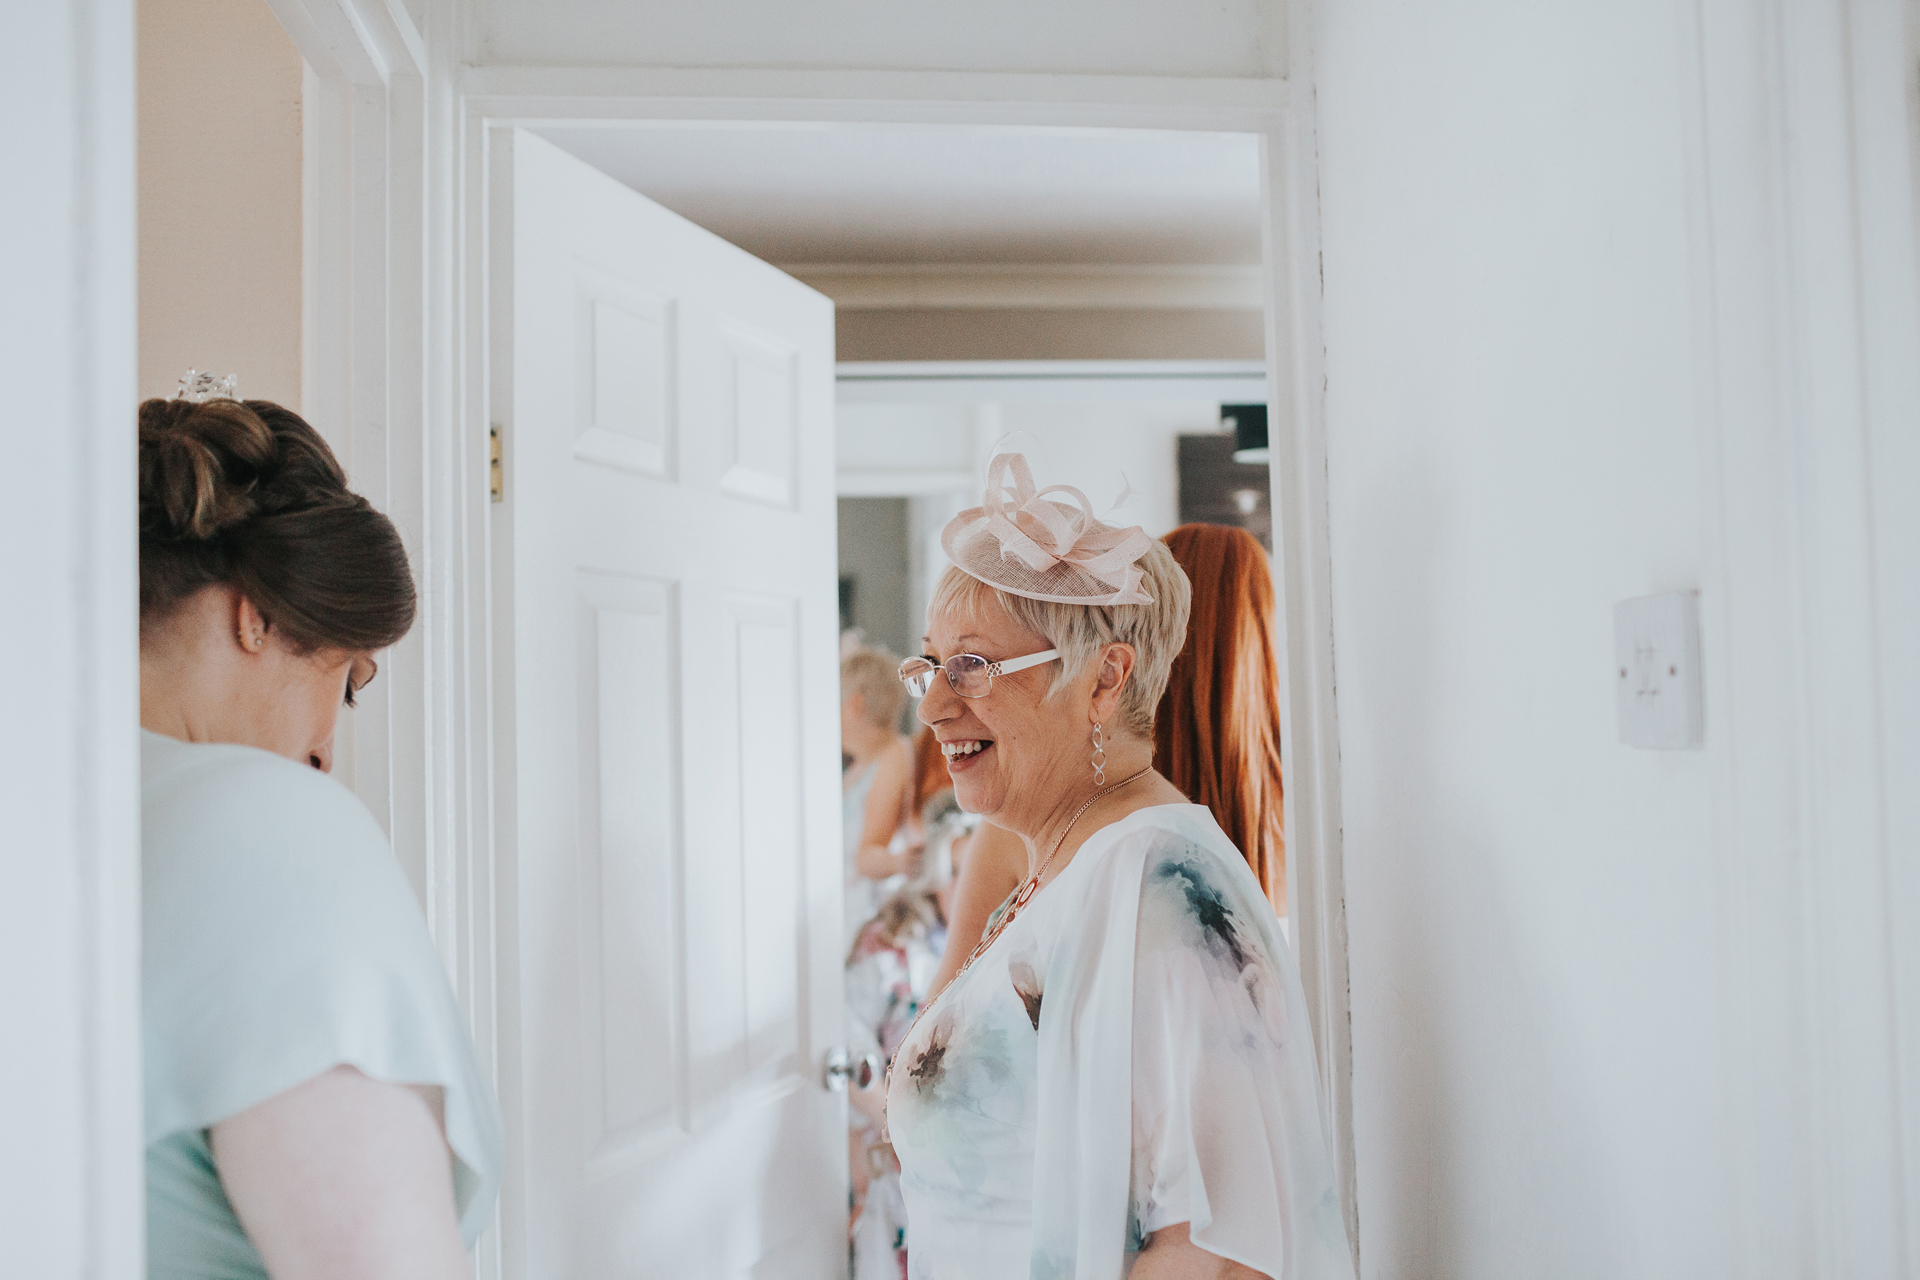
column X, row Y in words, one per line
column 1099, row 757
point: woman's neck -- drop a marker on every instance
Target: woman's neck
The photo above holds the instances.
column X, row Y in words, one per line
column 1087, row 806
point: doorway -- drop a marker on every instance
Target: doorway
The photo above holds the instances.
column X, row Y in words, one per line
column 1124, row 266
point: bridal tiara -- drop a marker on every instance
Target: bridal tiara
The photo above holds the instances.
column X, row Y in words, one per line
column 198, row 387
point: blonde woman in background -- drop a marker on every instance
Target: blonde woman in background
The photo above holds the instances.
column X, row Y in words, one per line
column 875, row 790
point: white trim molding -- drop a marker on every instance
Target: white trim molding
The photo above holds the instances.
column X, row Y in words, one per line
column 1070, row 286
column 387, row 282
column 1049, row 381
column 1302, row 568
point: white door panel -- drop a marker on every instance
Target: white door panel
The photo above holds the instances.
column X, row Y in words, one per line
column 669, row 771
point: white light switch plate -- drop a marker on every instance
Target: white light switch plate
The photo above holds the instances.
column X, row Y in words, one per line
column 1656, row 651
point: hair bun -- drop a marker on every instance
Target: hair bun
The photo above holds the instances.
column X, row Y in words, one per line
column 200, row 464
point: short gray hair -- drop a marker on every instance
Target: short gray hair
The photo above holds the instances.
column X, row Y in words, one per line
column 1156, row 632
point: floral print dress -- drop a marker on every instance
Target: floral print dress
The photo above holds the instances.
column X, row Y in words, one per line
column 1130, row 1054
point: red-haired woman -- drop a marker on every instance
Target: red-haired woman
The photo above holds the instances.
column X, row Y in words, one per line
column 1217, row 733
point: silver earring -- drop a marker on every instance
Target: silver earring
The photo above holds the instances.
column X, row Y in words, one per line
column 1099, row 757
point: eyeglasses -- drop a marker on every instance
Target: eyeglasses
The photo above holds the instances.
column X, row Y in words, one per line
column 970, row 674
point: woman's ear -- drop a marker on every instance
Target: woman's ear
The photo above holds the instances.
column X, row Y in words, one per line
column 1111, row 673
column 249, row 625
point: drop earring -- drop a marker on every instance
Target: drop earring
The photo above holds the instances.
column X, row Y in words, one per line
column 1099, row 757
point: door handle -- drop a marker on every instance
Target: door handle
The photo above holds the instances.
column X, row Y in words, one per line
column 844, row 1069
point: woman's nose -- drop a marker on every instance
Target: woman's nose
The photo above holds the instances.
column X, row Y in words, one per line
column 939, row 693
column 321, row 757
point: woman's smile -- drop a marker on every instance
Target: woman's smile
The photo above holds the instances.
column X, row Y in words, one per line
column 964, row 753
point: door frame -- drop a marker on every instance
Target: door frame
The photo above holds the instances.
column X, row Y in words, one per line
column 70, row 787
column 508, row 97
column 381, row 330
column 399, row 299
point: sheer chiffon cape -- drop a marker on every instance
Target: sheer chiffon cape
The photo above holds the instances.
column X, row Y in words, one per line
column 1228, row 1113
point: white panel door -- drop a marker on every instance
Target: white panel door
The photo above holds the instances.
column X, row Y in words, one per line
column 670, row 748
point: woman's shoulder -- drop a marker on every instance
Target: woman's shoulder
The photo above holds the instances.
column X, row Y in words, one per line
column 1168, row 830
column 281, row 938
column 169, row 766
column 1177, row 852
column 231, row 834
column 212, row 793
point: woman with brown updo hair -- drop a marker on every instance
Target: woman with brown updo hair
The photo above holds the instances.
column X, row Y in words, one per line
column 314, row 1106
column 1217, row 734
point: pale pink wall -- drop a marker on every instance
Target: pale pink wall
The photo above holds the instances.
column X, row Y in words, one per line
column 220, row 196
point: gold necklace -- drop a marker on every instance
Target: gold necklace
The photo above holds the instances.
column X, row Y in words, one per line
column 1020, row 900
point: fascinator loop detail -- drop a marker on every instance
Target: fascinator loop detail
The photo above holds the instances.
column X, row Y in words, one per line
column 1022, row 541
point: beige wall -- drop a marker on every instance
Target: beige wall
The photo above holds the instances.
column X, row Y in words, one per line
column 220, row 196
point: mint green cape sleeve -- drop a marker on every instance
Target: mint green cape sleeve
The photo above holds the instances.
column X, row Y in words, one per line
column 282, row 940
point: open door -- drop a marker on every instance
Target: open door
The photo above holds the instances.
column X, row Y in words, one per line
column 669, row 742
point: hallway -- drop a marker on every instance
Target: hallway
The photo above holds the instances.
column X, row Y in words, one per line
column 1557, row 309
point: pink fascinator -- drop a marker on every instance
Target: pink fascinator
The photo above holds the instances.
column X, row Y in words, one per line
column 1024, row 542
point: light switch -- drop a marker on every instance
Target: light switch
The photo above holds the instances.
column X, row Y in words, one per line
column 1656, row 652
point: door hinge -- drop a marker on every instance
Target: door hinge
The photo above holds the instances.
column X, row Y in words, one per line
column 496, row 473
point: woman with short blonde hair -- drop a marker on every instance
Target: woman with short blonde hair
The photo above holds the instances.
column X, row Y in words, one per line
column 874, row 793
column 1120, row 1080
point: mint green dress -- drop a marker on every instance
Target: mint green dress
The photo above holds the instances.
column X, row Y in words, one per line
column 281, row 940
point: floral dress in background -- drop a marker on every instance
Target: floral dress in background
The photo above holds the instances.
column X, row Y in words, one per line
column 886, row 982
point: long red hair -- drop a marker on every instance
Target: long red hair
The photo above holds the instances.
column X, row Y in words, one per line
column 1217, row 733
column 930, row 775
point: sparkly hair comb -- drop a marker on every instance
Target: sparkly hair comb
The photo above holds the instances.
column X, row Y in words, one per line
column 198, row 387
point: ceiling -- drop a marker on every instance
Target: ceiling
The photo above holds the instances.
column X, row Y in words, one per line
column 819, row 194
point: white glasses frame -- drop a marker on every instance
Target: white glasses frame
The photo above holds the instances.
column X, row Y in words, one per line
column 1007, row 668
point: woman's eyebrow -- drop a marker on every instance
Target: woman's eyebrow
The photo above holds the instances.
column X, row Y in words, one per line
column 926, row 644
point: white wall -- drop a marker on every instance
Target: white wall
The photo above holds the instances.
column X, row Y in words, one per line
column 71, row 1191
column 220, row 197
column 1568, row 973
